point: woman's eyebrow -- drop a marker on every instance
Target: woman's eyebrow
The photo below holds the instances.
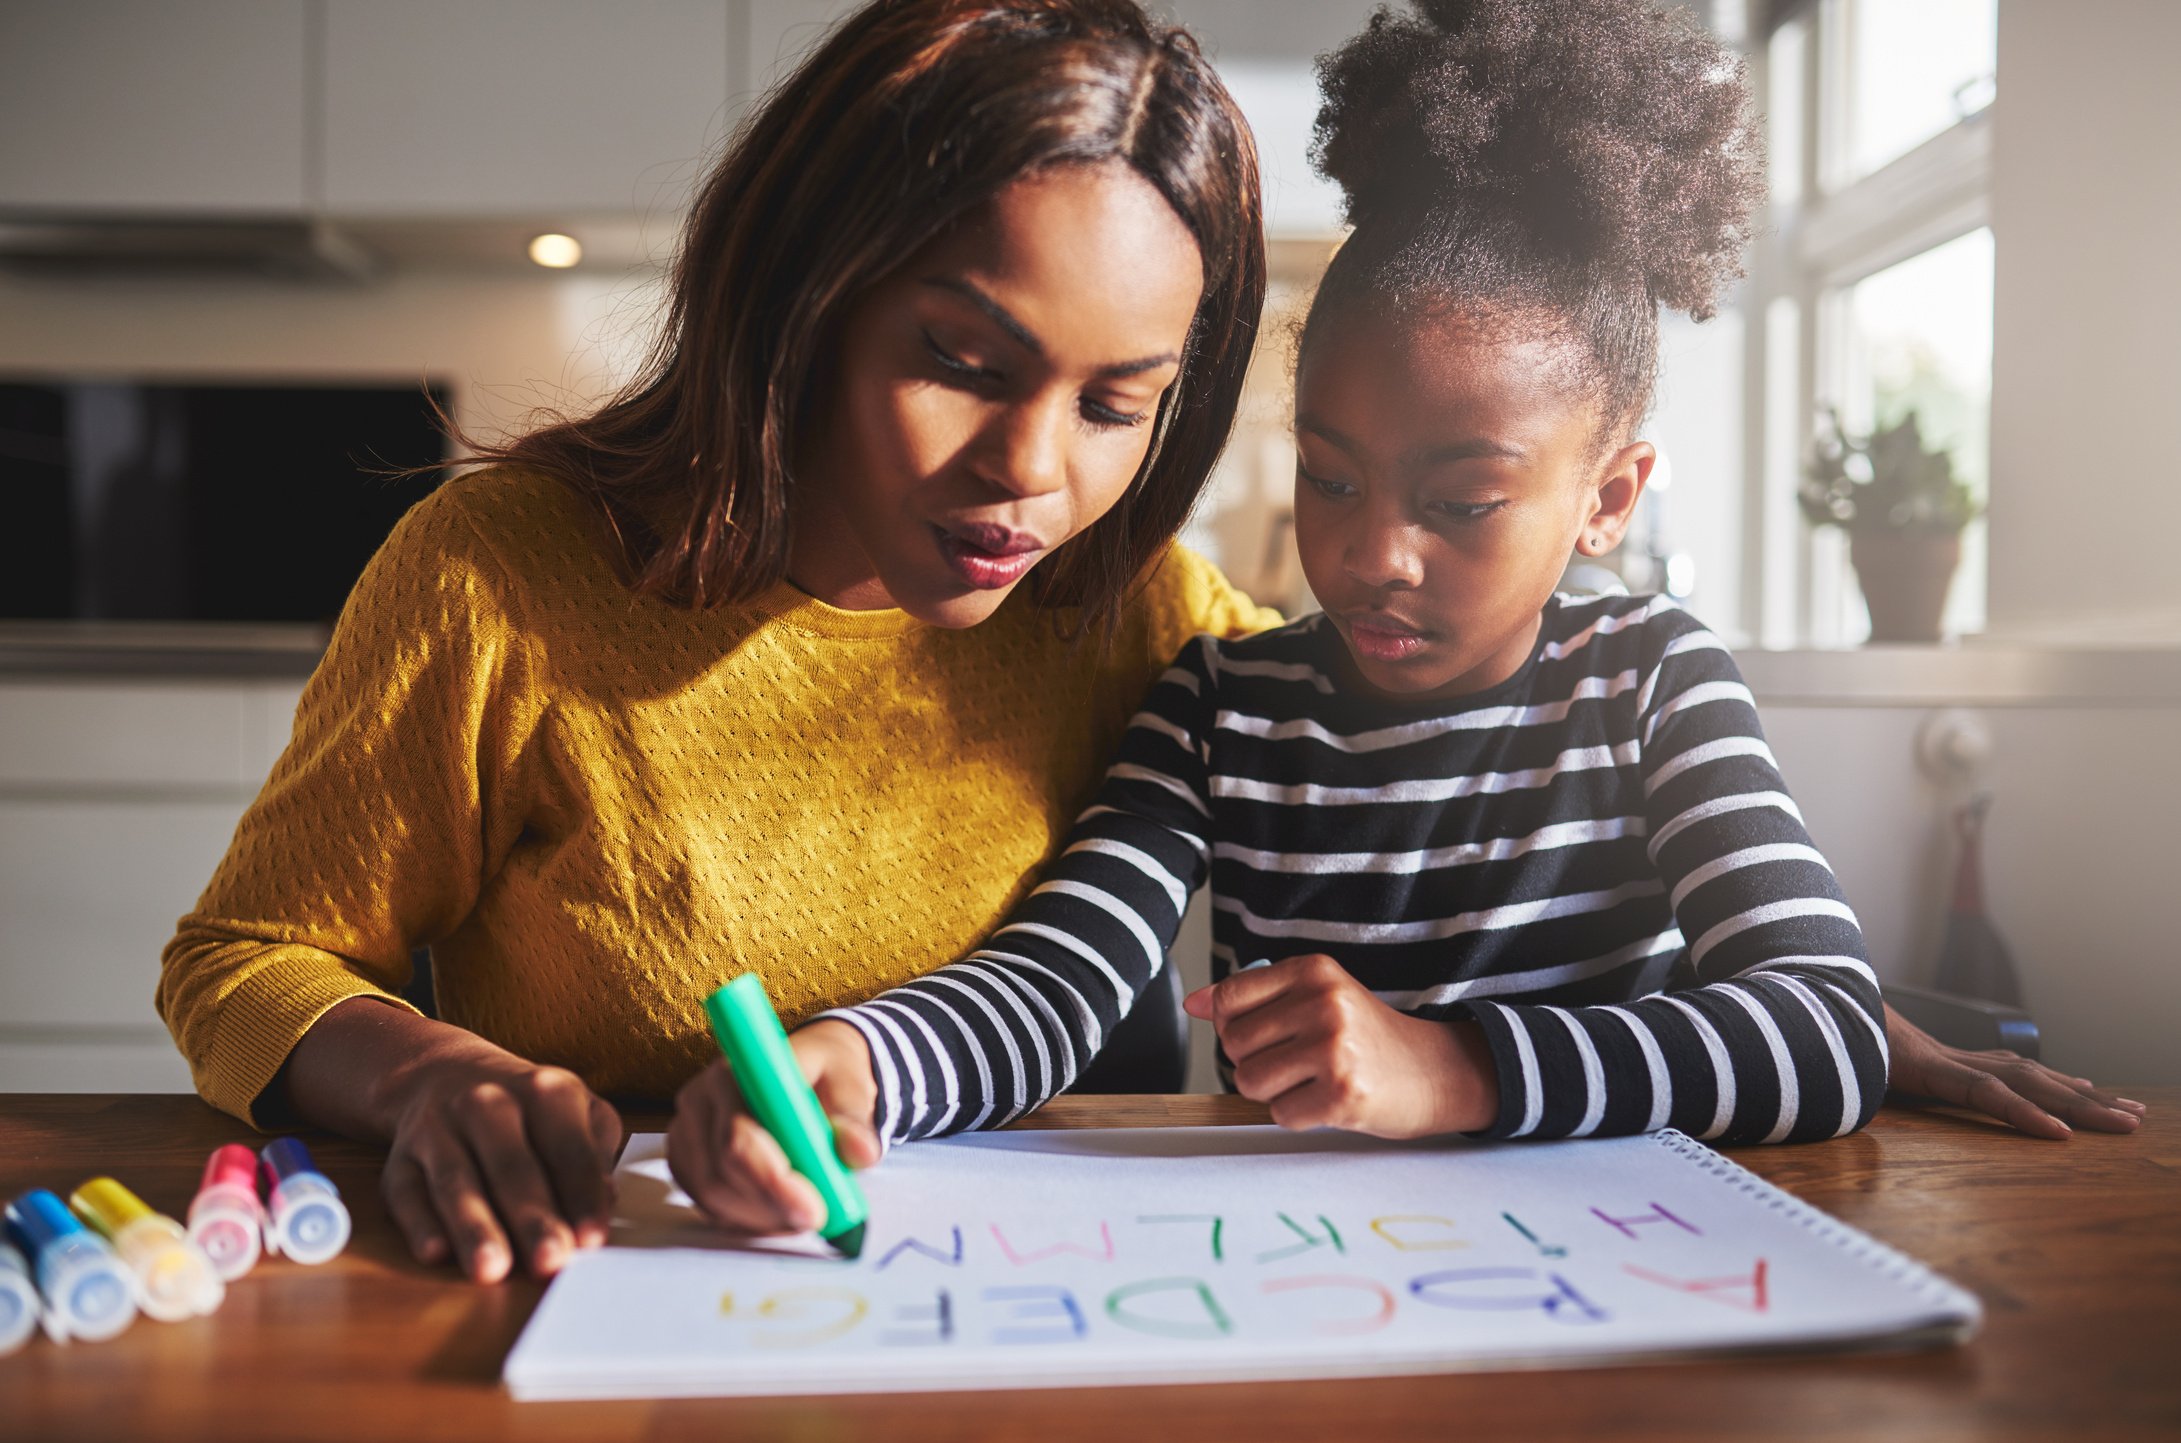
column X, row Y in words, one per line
column 1024, row 337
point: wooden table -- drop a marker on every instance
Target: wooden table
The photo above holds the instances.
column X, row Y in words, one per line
column 2075, row 1248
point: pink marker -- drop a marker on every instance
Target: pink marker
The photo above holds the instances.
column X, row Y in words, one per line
column 224, row 1218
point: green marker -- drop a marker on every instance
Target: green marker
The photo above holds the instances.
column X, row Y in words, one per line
column 780, row 1099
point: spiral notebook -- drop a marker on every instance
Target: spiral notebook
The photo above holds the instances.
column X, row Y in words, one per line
column 1071, row 1258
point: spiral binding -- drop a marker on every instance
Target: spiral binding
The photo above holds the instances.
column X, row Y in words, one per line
column 1941, row 1292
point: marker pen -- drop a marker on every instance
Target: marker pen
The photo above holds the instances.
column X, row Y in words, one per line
column 175, row 1280
column 224, row 1218
column 18, row 1301
column 309, row 1222
column 88, row 1291
column 781, row 1100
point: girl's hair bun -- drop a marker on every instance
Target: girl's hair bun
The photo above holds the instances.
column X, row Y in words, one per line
column 1615, row 135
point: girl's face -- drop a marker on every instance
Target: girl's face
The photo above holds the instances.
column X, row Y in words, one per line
column 1445, row 474
column 995, row 396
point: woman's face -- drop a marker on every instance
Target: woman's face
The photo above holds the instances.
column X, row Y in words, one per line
column 1444, row 475
column 995, row 396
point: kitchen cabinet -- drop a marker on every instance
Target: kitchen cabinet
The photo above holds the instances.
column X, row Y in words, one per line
column 117, row 800
column 522, row 107
column 144, row 106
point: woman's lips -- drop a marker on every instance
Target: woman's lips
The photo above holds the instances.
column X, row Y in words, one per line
column 1379, row 638
column 988, row 557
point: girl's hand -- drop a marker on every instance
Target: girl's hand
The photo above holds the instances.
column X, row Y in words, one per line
column 733, row 1168
column 2027, row 1096
column 490, row 1156
column 1309, row 1039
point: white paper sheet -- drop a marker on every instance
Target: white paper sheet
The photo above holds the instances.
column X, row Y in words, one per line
column 1025, row 1259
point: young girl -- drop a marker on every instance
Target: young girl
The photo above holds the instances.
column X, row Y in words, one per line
column 1517, row 864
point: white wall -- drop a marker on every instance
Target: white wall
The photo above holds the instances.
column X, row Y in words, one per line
column 2079, row 860
column 2086, row 378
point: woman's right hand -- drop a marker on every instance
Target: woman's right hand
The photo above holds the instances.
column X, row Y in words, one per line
column 492, row 1159
column 734, row 1170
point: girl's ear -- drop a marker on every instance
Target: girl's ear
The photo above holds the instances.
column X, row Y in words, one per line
column 1620, row 486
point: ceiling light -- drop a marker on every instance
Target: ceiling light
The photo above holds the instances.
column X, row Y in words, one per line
column 557, row 252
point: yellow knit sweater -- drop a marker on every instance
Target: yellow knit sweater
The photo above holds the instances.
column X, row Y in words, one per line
column 597, row 808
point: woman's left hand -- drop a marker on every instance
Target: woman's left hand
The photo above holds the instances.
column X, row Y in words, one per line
column 1307, row 1038
column 2027, row 1096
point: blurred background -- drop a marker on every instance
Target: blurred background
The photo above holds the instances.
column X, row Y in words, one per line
column 242, row 242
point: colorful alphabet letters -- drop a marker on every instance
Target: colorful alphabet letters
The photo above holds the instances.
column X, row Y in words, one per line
column 1024, row 1258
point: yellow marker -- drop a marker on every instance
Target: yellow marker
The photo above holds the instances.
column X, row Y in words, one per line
column 174, row 1279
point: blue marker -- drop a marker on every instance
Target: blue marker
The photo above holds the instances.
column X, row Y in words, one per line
column 309, row 1222
column 88, row 1291
column 18, row 1301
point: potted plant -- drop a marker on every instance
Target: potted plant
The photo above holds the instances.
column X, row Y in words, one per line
column 1903, row 509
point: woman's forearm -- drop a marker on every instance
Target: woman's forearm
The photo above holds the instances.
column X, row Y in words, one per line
column 491, row 1158
column 357, row 1068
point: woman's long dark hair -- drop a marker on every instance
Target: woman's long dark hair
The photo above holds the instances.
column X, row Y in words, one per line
column 911, row 114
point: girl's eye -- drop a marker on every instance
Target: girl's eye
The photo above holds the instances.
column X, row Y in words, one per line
column 1330, row 489
column 956, row 368
column 1465, row 510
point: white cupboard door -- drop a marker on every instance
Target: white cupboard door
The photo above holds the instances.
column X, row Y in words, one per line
column 523, row 107
column 133, row 106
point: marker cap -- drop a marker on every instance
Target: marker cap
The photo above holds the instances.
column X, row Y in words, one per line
column 225, row 1218
column 18, row 1301
column 89, row 1293
column 175, row 1280
column 309, row 1222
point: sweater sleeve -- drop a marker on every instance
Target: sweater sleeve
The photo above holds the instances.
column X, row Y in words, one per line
column 1784, row 1038
column 1188, row 596
column 375, row 831
column 984, row 1040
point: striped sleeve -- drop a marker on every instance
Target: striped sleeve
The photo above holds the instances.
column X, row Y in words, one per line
column 1784, row 1040
column 981, row 1041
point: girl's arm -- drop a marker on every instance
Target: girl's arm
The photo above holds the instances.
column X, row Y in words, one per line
column 988, row 1038
column 984, row 1040
column 1784, row 1040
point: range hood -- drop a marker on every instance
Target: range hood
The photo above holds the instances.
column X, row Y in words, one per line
column 304, row 250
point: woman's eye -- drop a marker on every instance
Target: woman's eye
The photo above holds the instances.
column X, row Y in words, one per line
column 1107, row 418
column 957, row 368
column 1330, row 489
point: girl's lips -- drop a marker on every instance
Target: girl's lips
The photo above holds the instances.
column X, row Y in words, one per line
column 1378, row 639
column 988, row 557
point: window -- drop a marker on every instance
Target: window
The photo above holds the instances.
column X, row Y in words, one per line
column 1915, row 68
column 1872, row 292
column 1917, row 336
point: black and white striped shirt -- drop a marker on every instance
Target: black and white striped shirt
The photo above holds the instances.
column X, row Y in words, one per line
column 1596, row 860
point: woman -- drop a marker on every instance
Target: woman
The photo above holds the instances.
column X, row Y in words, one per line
column 750, row 670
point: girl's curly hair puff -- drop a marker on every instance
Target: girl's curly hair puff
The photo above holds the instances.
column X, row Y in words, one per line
column 1585, row 160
